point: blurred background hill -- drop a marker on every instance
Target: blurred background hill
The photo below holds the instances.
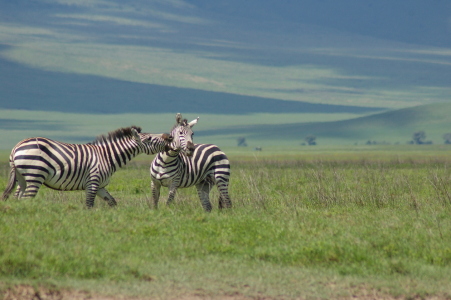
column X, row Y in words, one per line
column 272, row 72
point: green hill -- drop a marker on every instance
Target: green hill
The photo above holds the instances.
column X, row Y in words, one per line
column 391, row 127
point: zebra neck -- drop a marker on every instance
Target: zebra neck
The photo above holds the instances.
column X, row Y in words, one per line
column 119, row 154
column 169, row 156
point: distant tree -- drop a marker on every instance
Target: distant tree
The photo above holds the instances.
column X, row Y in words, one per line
column 447, row 138
column 311, row 140
column 419, row 137
column 241, row 142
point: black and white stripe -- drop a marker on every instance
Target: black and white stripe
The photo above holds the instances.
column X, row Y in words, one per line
column 68, row 167
column 201, row 165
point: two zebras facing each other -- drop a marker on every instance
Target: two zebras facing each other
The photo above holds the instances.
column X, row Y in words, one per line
column 67, row 167
column 186, row 164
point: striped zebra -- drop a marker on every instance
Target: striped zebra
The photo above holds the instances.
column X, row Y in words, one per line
column 186, row 164
column 68, row 167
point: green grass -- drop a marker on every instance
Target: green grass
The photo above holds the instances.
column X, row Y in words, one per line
column 335, row 224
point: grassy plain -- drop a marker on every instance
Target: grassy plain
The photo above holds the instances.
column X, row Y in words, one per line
column 16, row 125
column 263, row 130
column 319, row 223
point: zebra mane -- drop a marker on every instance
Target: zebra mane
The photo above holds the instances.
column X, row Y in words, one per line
column 116, row 135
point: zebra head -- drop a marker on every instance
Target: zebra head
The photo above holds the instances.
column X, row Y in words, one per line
column 152, row 143
column 183, row 135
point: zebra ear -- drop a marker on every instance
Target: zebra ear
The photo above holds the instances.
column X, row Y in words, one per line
column 178, row 118
column 136, row 136
column 193, row 122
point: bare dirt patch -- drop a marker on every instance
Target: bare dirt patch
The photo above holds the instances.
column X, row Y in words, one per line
column 27, row 292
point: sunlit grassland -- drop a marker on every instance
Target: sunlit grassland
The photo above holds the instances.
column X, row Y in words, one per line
column 391, row 127
column 198, row 70
column 313, row 224
column 280, row 131
column 82, row 128
column 303, row 72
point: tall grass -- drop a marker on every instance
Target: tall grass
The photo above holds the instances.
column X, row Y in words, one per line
column 298, row 228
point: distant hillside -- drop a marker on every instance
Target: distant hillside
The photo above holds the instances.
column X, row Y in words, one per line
column 392, row 127
column 33, row 89
column 362, row 53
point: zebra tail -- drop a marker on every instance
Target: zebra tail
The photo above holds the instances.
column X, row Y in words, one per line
column 11, row 182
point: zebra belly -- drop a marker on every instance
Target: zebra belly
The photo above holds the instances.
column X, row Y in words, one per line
column 68, row 185
column 167, row 182
column 189, row 181
column 64, row 185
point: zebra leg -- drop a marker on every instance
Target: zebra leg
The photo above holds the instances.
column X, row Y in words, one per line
column 22, row 185
column 91, row 192
column 103, row 193
column 29, row 185
column 30, row 191
column 172, row 192
column 17, row 192
column 224, row 199
column 203, row 190
column 155, row 188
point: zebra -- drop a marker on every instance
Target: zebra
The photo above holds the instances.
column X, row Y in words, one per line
column 68, row 167
column 186, row 164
